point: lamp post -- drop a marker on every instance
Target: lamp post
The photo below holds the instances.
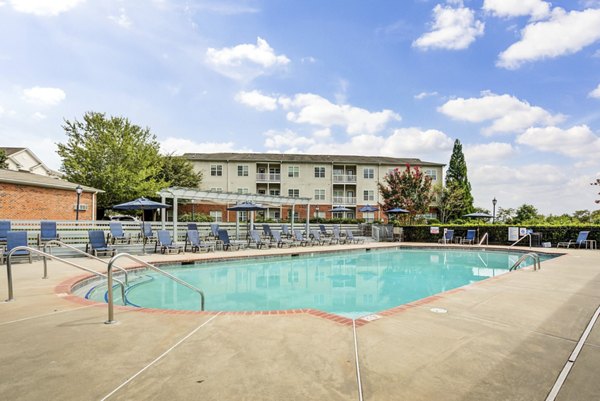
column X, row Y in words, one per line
column 494, row 201
column 78, row 190
column 317, row 212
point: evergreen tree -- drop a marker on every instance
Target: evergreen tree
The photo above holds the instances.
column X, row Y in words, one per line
column 456, row 179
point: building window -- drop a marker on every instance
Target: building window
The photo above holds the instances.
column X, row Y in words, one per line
column 319, row 172
column 242, row 190
column 216, row 216
column 432, row 174
column 216, row 170
column 262, row 191
column 217, row 189
column 368, row 173
column 369, row 195
column 319, row 194
column 242, row 171
column 293, row 171
column 274, row 192
column 294, row 193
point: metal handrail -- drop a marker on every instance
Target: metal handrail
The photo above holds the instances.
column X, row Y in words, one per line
column 536, row 261
column 485, row 237
column 60, row 243
column 520, row 239
column 156, row 269
column 47, row 255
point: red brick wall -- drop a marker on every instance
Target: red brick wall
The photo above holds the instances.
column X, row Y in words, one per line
column 21, row 202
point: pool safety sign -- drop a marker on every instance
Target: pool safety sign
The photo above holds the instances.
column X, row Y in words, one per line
column 513, row 233
column 434, row 230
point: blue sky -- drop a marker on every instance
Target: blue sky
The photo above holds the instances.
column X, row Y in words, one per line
column 517, row 81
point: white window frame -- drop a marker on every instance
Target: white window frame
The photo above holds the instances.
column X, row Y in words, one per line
column 216, row 170
column 293, row 171
column 319, row 194
column 242, row 170
column 319, row 171
column 368, row 173
column 216, row 216
column 368, row 195
column 293, row 193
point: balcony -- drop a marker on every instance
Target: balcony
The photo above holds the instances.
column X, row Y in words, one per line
column 344, row 200
column 264, row 177
column 344, row 179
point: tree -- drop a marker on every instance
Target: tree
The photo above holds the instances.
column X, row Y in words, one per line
column 179, row 172
column 456, row 177
column 506, row 216
column 450, row 201
column 111, row 154
column 3, row 158
column 409, row 189
column 597, row 183
column 525, row 213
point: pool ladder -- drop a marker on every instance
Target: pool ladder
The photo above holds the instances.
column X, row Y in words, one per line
column 536, row 261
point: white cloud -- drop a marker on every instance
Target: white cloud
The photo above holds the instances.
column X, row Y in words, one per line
column 44, row 8
column 287, row 139
column 257, row 100
column 516, row 8
column 38, row 116
column 45, row 96
column 577, row 141
column 180, row 146
column 308, row 60
column 487, row 152
column 453, row 28
column 245, row 61
column 122, row 19
column 595, row 93
column 564, row 33
column 507, row 113
column 423, row 95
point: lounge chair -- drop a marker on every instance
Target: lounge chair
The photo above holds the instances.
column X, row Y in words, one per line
column 192, row 226
column 580, row 241
column 299, row 239
column 350, row 238
column 223, row 236
column 336, row 237
column 97, row 244
column 47, row 232
column 166, row 244
column 147, row 233
column 278, row 241
column 285, row 231
column 13, row 240
column 267, row 231
column 214, row 231
column 117, row 235
column 256, row 241
column 316, row 238
column 4, row 229
column 323, row 230
column 196, row 244
column 447, row 238
column 469, row 238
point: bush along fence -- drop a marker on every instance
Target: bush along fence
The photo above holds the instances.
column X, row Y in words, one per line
column 498, row 234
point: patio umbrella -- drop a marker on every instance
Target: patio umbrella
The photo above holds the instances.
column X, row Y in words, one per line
column 479, row 215
column 340, row 209
column 245, row 207
column 141, row 204
column 396, row 210
column 368, row 209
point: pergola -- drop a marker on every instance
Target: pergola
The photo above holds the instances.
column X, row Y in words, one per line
column 177, row 193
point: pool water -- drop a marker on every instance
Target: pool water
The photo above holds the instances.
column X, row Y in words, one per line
column 350, row 284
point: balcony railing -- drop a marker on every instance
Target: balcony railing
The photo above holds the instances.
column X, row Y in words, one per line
column 264, row 177
column 339, row 178
column 344, row 200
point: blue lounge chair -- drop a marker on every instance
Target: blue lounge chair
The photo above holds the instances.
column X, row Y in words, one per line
column 323, row 230
column 192, row 226
column 267, row 231
column 316, row 238
column 299, row 239
column 13, row 240
column 147, row 233
column 256, row 241
column 214, row 230
column 580, row 241
column 278, row 241
column 469, row 238
column 285, row 231
column 447, row 238
column 166, row 243
column 4, row 229
column 47, row 232
column 117, row 235
column 336, row 237
column 97, row 244
column 352, row 239
column 223, row 236
column 196, row 244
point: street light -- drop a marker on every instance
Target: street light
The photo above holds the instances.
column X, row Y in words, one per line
column 494, row 201
column 317, row 212
column 79, row 190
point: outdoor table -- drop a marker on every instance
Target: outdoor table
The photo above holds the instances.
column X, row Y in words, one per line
column 591, row 244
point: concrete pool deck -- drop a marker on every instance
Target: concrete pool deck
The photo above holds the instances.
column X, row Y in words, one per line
column 506, row 338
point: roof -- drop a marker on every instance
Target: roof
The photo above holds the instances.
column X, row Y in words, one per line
column 306, row 158
column 229, row 197
column 37, row 180
column 10, row 151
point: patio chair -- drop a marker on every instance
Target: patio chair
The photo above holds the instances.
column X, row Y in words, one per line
column 350, row 238
column 4, row 229
column 192, row 226
column 336, row 237
column 214, row 231
column 267, row 231
column 447, row 238
column 223, row 236
column 469, row 238
column 166, row 244
column 13, row 240
column 323, row 230
column 256, row 241
column 580, row 241
column 316, row 238
column 47, row 233
column 280, row 242
column 97, row 244
column 117, row 235
column 147, row 234
column 285, row 231
column 299, row 239
column 196, row 244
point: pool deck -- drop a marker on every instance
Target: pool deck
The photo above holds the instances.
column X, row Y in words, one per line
column 506, row 338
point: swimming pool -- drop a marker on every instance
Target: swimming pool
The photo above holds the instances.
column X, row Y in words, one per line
column 350, row 284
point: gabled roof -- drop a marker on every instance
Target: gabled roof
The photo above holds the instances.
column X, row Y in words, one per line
column 37, row 180
column 306, row 158
column 10, row 151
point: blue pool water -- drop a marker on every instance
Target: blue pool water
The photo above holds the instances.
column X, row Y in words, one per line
column 350, row 284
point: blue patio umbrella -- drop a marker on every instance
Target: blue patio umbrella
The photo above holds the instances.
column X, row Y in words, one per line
column 396, row 210
column 368, row 209
column 340, row 209
column 479, row 215
column 245, row 207
column 141, row 204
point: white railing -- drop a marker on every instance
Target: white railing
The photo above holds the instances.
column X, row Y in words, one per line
column 344, row 200
column 344, row 178
column 264, row 177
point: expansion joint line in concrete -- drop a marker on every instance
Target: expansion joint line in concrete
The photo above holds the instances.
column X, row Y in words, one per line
column 358, row 379
column 161, row 356
column 572, row 358
column 46, row 314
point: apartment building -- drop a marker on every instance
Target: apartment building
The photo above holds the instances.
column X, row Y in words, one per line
column 349, row 182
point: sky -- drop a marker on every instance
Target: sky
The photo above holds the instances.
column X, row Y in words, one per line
column 516, row 81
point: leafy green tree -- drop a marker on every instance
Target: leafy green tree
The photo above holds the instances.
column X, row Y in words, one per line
column 409, row 189
column 525, row 213
column 112, row 154
column 456, row 177
column 179, row 172
column 582, row 216
column 597, row 183
column 450, row 201
column 3, row 158
column 506, row 216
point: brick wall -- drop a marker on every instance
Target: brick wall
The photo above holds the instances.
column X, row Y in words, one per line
column 22, row 202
